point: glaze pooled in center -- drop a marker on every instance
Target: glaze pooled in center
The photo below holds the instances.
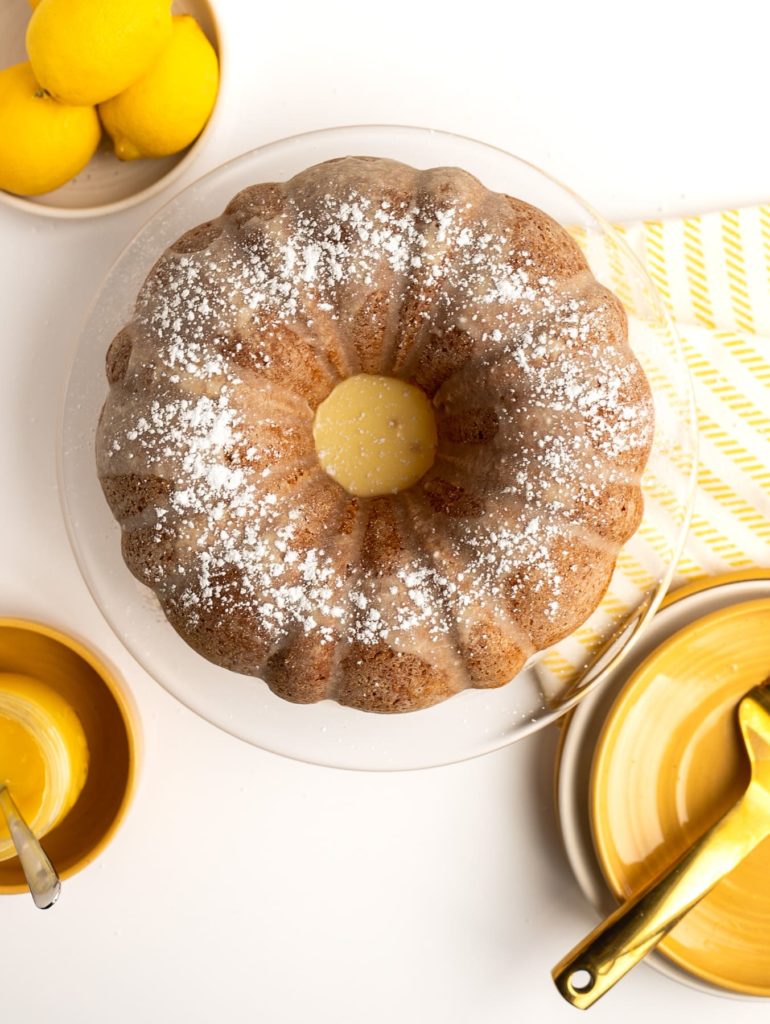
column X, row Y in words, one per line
column 375, row 435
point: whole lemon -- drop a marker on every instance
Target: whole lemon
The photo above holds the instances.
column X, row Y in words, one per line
column 42, row 143
column 84, row 51
column 168, row 106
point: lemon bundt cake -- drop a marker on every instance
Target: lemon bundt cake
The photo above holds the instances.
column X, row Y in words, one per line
column 261, row 560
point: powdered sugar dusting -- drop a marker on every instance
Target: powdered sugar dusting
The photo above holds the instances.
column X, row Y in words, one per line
column 216, row 404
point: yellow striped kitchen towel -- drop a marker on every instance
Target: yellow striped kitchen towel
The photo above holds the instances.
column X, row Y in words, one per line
column 713, row 274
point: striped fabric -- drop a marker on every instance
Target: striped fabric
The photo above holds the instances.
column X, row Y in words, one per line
column 713, row 274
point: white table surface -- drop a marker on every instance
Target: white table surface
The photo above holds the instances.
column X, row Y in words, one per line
column 310, row 894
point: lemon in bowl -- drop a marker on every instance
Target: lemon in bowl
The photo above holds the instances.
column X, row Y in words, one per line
column 166, row 109
column 84, row 51
column 42, row 143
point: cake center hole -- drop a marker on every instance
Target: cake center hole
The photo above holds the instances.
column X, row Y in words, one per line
column 375, row 435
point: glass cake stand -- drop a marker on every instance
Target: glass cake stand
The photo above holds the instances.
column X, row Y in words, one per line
column 475, row 721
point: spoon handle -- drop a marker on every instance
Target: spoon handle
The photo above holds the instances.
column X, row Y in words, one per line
column 636, row 927
column 41, row 877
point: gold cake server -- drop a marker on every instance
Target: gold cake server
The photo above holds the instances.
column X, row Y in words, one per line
column 637, row 926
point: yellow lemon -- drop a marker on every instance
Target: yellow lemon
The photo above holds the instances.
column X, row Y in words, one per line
column 84, row 51
column 168, row 106
column 42, row 143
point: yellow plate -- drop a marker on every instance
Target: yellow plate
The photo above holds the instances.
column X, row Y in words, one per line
column 667, row 765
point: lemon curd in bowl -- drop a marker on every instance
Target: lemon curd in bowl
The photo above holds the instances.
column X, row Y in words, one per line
column 43, row 754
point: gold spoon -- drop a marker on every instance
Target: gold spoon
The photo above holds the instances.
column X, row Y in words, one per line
column 636, row 927
column 41, row 876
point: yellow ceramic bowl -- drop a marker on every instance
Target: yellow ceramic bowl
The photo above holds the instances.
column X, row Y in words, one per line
column 92, row 689
column 668, row 764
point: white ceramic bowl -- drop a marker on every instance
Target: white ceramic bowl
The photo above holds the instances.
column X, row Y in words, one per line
column 106, row 185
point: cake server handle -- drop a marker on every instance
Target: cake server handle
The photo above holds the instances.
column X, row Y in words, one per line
column 637, row 926
column 42, row 879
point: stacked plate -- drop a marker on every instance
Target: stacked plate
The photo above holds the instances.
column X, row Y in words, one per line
column 650, row 760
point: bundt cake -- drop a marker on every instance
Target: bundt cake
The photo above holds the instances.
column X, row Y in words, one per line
column 261, row 560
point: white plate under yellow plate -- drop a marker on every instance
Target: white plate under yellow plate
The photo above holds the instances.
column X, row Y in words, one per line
column 583, row 727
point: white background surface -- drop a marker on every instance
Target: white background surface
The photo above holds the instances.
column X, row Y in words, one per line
column 244, row 887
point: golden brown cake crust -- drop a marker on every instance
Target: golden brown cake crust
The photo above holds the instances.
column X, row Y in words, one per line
column 264, row 564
